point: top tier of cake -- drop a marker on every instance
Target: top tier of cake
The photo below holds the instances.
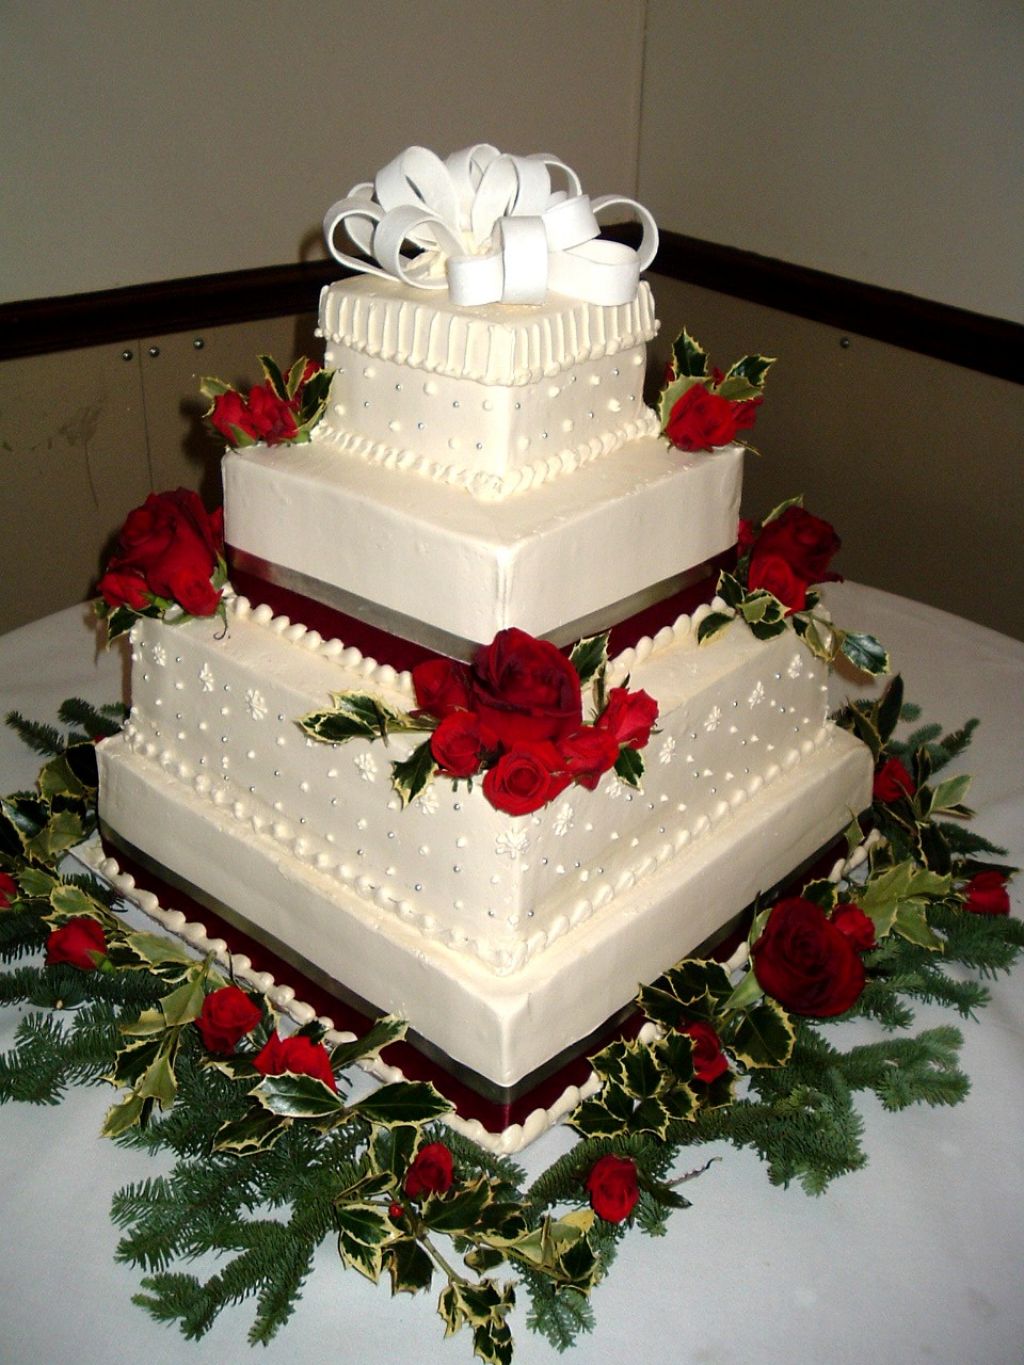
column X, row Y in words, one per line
column 495, row 400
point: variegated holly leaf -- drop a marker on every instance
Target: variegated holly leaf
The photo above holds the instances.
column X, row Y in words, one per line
column 688, row 357
column 409, row 1266
column 298, row 1097
column 409, row 776
column 402, row 1102
column 629, row 766
column 864, row 652
column 712, row 624
column 761, row 1036
column 256, row 1131
column 483, row 1307
column 590, row 657
column 460, row 1209
column 386, row 1030
column 70, row 901
column 746, row 378
column 693, row 989
column 62, row 831
column 355, row 715
column 364, row 1231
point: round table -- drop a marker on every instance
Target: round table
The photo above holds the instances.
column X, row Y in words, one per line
column 915, row 1258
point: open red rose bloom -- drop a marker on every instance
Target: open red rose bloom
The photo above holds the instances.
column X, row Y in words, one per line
column 168, row 548
column 807, row 962
column 516, row 714
column 789, row 554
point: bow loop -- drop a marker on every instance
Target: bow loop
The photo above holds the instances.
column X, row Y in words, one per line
column 491, row 226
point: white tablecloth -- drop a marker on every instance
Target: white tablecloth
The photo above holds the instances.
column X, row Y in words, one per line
column 916, row 1258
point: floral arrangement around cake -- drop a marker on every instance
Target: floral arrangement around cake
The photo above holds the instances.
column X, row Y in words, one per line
column 204, row 1066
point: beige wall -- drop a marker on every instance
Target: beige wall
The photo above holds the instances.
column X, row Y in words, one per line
column 878, row 140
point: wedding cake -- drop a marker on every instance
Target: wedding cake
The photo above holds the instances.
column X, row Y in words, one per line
column 483, row 488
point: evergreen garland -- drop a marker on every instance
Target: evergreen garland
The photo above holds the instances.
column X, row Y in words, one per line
column 269, row 1165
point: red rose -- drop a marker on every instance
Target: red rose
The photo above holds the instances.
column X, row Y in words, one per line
column 124, row 588
column 8, row 890
column 858, row 927
column 709, row 1061
column 525, row 778
column 702, row 420
column 774, row 575
column 442, row 686
column 613, row 1187
column 229, row 410
column 169, row 547
column 807, row 543
column 588, row 755
column 80, row 943
column 746, row 534
column 430, row 1172
column 457, row 744
column 525, row 689
column 273, row 418
column 227, row 1015
column 629, row 716
column 298, row 1056
column 986, row 894
column 892, row 781
column 806, row 962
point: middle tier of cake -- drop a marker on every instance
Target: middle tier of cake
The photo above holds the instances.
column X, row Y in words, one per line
column 578, row 903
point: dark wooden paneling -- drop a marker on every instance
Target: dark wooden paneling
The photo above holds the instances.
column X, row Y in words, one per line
column 978, row 342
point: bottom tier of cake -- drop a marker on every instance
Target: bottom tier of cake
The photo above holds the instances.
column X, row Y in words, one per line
column 502, row 1027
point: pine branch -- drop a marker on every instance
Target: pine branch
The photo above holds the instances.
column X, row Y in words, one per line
column 40, row 738
column 98, row 723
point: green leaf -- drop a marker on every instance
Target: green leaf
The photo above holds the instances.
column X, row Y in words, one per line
column 388, row 1029
column 298, row 1097
column 409, row 1266
column 121, row 1117
column 402, row 1102
column 409, row 776
column 275, row 378
column 746, row 378
column 888, row 709
column 363, row 1231
column 911, row 923
column 762, row 1036
column 256, row 1131
column 590, row 657
column 629, row 766
column 711, row 624
column 70, row 901
column 865, row 653
column 948, row 794
column 158, row 951
column 688, row 356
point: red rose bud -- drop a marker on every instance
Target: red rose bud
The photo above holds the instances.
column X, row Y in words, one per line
column 771, row 573
column 80, row 943
column 441, row 686
column 298, row 1056
column 701, row 420
column 525, row 778
column 273, row 418
column 858, row 927
column 588, row 755
column 124, row 588
column 457, row 744
column 709, row 1061
column 891, row 782
column 229, row 410
column 8, row 890
column 430, row 1172
column 613, row 1187
column 806, row 962
column 227, row 1015
column 746, row 534
column 628, row 716
column 525, row 689
column 986, row 894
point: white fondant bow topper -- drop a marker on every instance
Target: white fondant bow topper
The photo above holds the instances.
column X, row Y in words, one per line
column 490, row 228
